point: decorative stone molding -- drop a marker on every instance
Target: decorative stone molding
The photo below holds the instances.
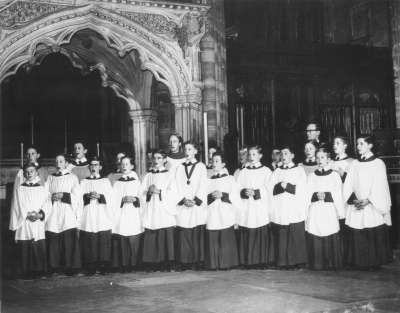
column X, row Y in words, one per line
column 20, row 13
column 140, row 115
column 125, row 25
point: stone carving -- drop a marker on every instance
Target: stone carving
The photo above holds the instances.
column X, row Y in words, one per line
column 153, row 22
column 191, row 27
column 20, row 13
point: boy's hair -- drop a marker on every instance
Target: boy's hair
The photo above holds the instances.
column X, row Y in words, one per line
column 95, row 158
column 159, row 151
column 370, row 139
column 180, row 139
column 324, row 150
column 312, row 142
column 28, row 165
column 221, row 155
column 32, row 147
column 131, row 160
column 288, row 147
column 192, row 143
column 257, row 148
column 342, row 138
column 66, row 157
column 82, row 142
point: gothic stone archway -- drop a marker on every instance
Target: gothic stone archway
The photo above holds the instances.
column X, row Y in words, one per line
column 166, row 37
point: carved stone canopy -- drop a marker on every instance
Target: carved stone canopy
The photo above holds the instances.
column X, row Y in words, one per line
column 158, row 36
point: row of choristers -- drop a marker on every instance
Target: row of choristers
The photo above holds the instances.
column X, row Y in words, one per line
column 183, row 215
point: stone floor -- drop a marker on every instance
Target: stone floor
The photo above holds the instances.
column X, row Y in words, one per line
column 236, row 291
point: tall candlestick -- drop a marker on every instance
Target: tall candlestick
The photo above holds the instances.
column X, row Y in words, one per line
column 32, row 129
column 98, row 149
column 22, row 154
column 205, row 126
column 241, row 127
column 65, row 137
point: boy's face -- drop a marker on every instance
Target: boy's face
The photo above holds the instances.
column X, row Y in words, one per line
column 32, row 155
column 79, row 150
column 339, row 146
column 363, row 147
column 95, row 167
column 322, row 159
column 211, row 151
column 30, row 173
column 287, row 156
column 126, row 166
column 174, row 144
column 309, row 150
column 158, row 160
column 119, row 157
column 254, row 156
column 61, row 163
column 217, row 163
column 190, row 151
column 243, row 157
column 276, row 156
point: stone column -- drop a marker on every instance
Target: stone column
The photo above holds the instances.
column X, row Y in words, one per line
column 395, row 32
column 209, row 89
column 182, row 116
column 144, row 124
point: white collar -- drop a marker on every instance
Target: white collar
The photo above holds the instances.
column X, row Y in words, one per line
column 341, row 157
column 221, row 172
column 257, row 164
column 63, row 171
column 190, row 161
column 162, row 168
column 129, row 175
column 94, row 176
column 367, row 155
column 81, row 160
column 290, row 165
column 33, row 181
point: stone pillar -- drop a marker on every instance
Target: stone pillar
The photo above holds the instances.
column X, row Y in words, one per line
column 144, row 124
column 182, row 116
column 188, row 116
column 209, row 89
column 395, row 31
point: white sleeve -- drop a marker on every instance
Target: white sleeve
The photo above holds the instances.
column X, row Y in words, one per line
column 338, row 196
column 77, row 198
column 379, row 194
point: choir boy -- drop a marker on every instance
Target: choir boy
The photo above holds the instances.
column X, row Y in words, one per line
column 243, row 160
column 342, row 161
column 116, row 174
column 289, row 206
column 366, row 191
column 221, row 246
column 325, row 208
column 309, row 163
column 159, row 210
column 127, row 229
column 79, row 165
column 32, row 156
column 97, row 220
column 63, row 220
column 211, row 151
column 28, row 219
column 255, row 243
column 176, row 155
column 275, row 159
column 191, row 181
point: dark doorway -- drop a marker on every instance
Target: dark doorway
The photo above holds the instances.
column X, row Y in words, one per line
column 54, row 104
